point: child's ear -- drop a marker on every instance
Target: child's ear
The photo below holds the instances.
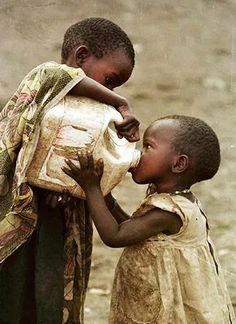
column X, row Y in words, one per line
column 180, row 163
column 81, row 54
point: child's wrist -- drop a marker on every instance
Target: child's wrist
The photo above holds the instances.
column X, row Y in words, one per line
column 122, row 104
column 124, row 111
column 92, row 189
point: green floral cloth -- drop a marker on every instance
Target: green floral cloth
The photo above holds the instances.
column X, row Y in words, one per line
column 41, row 89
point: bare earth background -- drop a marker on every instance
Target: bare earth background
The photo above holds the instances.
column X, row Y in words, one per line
column 185, row 64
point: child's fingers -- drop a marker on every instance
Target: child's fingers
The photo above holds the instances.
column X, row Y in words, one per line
column 119, row 135
column 99, row 167
column 127, row 124
column 83, row 159
column 129, row 129
column 132, row 136
column 66, row 198
column 52, row 199
column 72, row 166
column 68, row 172
column 90, row 160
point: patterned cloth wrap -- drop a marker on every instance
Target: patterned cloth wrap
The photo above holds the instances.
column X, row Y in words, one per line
column 40, row 90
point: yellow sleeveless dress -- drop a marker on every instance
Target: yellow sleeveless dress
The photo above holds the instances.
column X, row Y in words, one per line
column 171, row 278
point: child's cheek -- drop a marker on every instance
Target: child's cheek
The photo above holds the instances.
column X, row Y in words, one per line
column 137, row 172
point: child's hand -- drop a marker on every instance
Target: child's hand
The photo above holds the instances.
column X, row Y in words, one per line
column 129, row 128
column 90, row 88
column 89, row 174
column 56, row 199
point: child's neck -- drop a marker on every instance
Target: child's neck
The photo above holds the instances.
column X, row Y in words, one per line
column 173, row 188
column 182, row 189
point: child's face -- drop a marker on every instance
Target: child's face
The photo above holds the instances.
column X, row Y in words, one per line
column 158, row 154
column 112, row 70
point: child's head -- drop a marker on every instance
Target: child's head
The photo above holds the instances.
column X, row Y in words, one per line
column 178, row 150
column 97, row 45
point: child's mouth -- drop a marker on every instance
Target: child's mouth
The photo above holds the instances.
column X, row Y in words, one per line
column 131, row 170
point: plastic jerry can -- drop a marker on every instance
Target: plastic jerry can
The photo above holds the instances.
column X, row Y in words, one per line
column 78, row 123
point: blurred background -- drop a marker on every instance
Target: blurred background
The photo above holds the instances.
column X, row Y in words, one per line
column 185, row 64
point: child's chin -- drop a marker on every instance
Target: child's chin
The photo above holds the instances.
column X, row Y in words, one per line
column 138, row 180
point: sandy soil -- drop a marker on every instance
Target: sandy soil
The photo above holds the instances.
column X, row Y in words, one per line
column 185, row 63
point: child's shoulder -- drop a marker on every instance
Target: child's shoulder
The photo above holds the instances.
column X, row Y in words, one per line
column 52, row 72
column 163, row 201
column 193, row 228
column 45, row 65
column 176, row 204
column 54, row 67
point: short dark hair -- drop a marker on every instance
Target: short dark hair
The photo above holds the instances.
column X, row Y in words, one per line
column 100, row 35
column 198, row 141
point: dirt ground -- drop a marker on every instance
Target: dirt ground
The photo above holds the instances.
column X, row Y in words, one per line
column 185, row 64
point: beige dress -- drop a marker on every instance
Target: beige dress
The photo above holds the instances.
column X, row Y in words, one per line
column 171, row 279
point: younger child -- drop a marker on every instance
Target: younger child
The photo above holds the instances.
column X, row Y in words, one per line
column 41, row 248
column 168, row 272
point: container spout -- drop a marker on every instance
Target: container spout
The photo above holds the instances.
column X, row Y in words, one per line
column 135, row 159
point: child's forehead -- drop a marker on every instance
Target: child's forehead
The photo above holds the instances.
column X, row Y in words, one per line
column 162, row 128
column 118, row 55
column 119, row 63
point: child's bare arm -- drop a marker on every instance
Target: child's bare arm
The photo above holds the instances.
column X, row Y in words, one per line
column 133, row 230
column 117, row 212
column 88, row 87
column 112, row 233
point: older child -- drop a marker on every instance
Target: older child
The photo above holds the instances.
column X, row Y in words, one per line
column 168, row 272
column 39, row 245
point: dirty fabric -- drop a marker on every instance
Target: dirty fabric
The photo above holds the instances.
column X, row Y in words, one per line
column 40, row 90
column 171, row 278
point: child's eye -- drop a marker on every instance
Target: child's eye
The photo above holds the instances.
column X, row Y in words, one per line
column 147, row 146
column 108, row 80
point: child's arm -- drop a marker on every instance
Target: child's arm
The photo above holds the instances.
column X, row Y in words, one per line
column 88, row 87
column 117, row 212
column 112, row 233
